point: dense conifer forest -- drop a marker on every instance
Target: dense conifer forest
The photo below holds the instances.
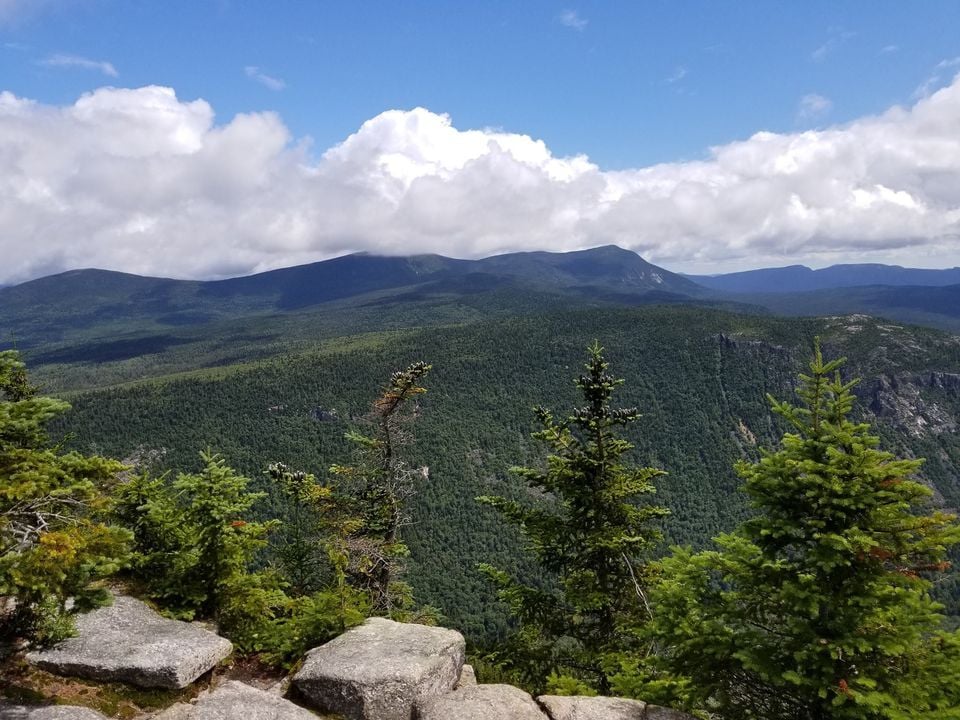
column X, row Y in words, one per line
column 637, row 565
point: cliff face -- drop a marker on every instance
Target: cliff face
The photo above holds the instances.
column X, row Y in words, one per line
column 916, row 403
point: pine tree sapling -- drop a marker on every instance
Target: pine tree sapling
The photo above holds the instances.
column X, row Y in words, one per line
column 591, row 537
column 819, row 606
column 54, row 542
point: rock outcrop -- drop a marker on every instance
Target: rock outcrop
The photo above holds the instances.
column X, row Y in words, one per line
column 128, row 642
column 379, row 670
column 480, row 702
column 234, row 700
column 562, row 707
column 48, row 712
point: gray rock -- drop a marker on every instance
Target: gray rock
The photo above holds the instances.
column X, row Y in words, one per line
column 234, row 700
column 480, row 702
column 468, row 677
column 576, row 707
column 377, row 671
column 129, row 642
column 177, row 711
column 560, row 707
column 48, row 712
column 655, row 712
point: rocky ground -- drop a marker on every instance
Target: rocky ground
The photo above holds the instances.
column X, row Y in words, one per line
column 128, row 662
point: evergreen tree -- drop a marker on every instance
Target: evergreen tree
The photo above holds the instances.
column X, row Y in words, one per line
column 54, row 544
column 819, row 606
column 377, row 487
column 590, row 536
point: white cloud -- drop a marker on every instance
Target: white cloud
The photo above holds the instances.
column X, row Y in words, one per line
column 572, row 19
column 142, row 181
column 254, row 73
column 888, row 49
column 813, row 106
column 68, row 61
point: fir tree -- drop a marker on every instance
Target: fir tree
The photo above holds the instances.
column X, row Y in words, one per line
column 54, row 544
column 590, row 536
column 819, row 606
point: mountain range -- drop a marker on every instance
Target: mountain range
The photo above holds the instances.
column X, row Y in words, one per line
column 100, row 315
column 800, row 278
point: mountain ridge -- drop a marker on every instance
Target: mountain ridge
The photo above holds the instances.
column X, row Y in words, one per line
column 800, row 278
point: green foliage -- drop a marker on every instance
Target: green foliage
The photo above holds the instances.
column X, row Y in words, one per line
column 589, row 534
column 699, row 375
column 312, row 620
column 376, row 489
column 315, row 553
column 54, row 544
column 310, row 545
column 819, row 606
column 195, row 543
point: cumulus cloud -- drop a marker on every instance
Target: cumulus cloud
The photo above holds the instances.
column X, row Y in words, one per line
column 69, row 61
column 254, row 73
column 813, row 106
column 572, row 19
column 143, row 181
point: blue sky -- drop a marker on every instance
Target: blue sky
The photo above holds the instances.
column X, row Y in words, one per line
column 628, row 85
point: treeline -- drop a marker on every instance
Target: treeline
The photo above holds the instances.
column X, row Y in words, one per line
column 817, row 606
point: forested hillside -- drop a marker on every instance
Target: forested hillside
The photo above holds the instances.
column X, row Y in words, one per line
column 698, row 376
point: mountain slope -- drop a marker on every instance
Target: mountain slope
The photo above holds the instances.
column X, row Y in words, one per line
column 937, row 307
column 799, row 278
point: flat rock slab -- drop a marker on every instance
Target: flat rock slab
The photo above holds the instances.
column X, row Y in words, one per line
column 480, row 702
column 48, row 712
column 377, row 671
column 129, row 642
column 577, row 707
column 235, row 701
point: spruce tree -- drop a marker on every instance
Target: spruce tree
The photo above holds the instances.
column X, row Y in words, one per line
column 819, row 606
column 590, row 536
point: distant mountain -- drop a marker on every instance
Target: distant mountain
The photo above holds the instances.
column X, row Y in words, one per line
column 85, row 304
column 937, row 307
column 96, row 316
column 799, row 278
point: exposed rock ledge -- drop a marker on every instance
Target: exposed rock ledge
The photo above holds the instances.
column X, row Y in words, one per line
column 381, row 670
column 129, row 642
